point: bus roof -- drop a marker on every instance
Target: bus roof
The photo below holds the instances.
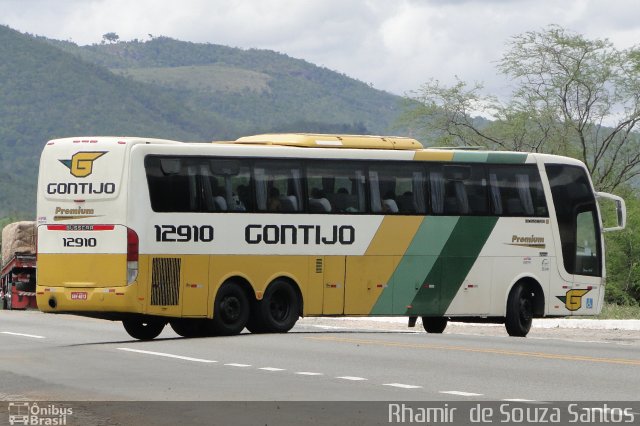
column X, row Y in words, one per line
column 81, row 140
column 317, row 140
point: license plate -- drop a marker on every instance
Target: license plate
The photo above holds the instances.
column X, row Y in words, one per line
column 78, row 295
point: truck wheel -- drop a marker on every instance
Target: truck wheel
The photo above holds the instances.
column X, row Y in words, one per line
column 519, row 311
column 143, row 329
column 435, row 325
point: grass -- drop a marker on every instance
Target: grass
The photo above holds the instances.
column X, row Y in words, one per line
column 613, row 311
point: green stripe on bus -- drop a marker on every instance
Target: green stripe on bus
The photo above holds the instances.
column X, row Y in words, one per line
column 507, row 157
column 419, row 258
column 470, row 157
column 448, row 272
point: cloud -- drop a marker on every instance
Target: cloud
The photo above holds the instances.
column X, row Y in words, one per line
column 395, row 45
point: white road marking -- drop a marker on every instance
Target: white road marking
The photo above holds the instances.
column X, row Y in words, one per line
column 308, row 373
column 355, row 379
column 232, row 364
column 23, row 335
column 271, row 369
column 459, row 393
column 401, row 385
column 519, row 400
column 185, row 358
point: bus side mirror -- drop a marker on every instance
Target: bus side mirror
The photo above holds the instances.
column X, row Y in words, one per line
column 621, row 210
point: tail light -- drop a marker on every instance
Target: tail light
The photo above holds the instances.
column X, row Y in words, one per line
column 132, row 255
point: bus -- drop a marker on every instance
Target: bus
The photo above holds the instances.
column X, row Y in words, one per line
column 213, row 238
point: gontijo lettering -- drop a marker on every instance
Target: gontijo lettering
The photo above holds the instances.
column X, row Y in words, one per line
column 73, row 188
column 299, row 234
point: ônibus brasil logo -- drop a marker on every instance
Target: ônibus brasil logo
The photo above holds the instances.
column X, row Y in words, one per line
column 81, row 163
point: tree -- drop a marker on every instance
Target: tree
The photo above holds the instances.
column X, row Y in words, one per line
column 572, row 96
column 110, row 37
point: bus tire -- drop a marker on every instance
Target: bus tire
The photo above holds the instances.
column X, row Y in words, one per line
column 143, row 329
column 279, row 309
column 230, row 312
column 519, row 311
column 187, row 327
column 434, row 325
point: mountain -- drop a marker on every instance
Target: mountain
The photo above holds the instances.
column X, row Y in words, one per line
column 162, row 88
column 260, row 89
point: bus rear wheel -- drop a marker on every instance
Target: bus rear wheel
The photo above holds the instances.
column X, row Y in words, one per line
column 278, row 311
column 435, row 325
column 143, row 329
column 519, row 311
column 231, row 311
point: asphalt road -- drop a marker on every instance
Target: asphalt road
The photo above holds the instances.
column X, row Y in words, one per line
column 67, row 358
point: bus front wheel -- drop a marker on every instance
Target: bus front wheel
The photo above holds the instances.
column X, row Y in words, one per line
column 434, row 325
column 278, row 311
column 519, row 311
column 231, row 310
column 143, row 329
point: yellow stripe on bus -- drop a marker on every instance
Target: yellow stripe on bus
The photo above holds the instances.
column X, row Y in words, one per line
column 434, row 155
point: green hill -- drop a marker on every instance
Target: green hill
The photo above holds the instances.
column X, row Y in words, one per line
column 260, row 89
column 162, row 88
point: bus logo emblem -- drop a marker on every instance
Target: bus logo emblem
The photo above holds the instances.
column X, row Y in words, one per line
column 573, row 299
column 81, row 163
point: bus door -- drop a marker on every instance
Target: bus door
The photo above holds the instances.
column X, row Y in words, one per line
column 333, row 285
column 580, row 267
column 587, row 292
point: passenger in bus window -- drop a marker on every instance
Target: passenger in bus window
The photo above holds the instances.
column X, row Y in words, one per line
column 243, row 195
column 389, row 204
column 273, row 204
column 318, row 203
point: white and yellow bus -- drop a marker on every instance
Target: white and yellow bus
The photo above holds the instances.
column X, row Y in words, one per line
column 213, row 238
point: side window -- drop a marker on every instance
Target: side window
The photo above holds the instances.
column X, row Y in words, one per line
column 517, row 191
column 196, row 184
column 577, row 217
column 278, row 186
column 458, row 190
column 228, row 186
column 170, row 187
column 336, row 188
column 397, row 189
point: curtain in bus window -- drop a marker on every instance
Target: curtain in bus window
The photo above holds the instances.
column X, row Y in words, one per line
column 437, row 192
column 261, row 188
column 522, row 183
column 228, row 193
column 207, row 191
column 192, row 174
column 418, row 192
column 360, row 179
column 297, row 189
column 374, row 186
column 494, row 189
column 461, row 197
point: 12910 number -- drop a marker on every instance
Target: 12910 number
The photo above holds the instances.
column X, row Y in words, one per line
column 184, row 233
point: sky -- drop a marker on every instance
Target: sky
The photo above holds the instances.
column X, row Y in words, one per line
column 394, row 45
